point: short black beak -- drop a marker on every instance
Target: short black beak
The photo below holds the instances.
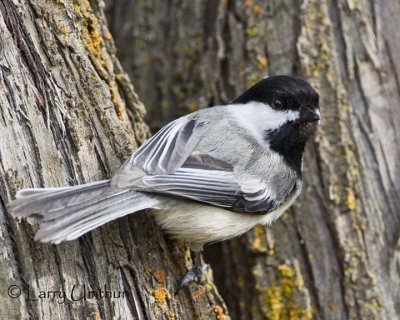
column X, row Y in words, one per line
column 309, row 115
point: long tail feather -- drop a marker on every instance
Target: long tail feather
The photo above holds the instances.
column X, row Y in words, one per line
column 67, row 213
column 31, row 201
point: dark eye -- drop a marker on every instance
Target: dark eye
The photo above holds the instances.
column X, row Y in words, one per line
column 277, row 103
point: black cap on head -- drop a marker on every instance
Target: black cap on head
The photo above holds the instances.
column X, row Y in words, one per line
column 284, row 93
column 281, row 92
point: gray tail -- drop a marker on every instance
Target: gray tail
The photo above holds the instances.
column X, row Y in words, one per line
column 69, row 212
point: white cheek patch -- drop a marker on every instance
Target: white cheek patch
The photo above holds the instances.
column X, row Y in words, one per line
column 319, row 115
column 260, row 117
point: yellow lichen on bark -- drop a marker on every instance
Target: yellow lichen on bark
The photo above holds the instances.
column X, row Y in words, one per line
column 279, row 300
column 351, row 200
column 160, row 295
column 94, row 42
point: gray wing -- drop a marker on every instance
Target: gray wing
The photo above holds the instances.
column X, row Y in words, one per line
column 167, row 150
column 169, row 164
column 216, row 187
column 163, row 153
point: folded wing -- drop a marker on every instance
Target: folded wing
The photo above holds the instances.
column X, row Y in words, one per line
column 170, row 164
column 216, row 187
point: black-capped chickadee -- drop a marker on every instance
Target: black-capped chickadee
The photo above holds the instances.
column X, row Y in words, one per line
column 208, row 176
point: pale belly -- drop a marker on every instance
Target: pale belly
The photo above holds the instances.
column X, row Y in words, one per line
column 198, row 223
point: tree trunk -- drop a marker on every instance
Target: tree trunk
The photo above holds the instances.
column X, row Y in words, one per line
column 335, row 255
column 69, row 115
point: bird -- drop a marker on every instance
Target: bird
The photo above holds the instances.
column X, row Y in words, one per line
column 208, row 176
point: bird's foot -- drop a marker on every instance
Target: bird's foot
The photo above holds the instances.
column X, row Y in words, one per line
column 196, row 273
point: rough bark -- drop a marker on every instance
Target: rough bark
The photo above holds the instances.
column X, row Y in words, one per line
column 335, row 255
column 69, row 115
